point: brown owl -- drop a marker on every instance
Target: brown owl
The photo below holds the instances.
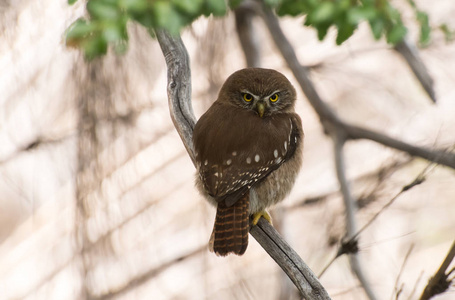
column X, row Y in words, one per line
column 248, row 148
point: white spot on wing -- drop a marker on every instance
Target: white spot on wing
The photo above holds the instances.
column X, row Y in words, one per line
column 234, row 153
column 228, row 162
column 248, row 160
column 285, row 145
column 275, row 153
column 256, row 158
column 216, row 174
column 278, row 160
column 206, row 162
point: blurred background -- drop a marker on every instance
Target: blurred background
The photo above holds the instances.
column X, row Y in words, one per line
column 97, row 196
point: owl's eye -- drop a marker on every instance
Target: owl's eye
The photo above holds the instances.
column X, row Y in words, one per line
column 274, row 98
column 247, row 97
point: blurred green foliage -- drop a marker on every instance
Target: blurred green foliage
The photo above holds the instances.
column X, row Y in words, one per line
column 107, row 19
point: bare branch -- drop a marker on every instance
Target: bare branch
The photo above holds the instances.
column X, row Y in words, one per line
column 291, row 263
column 439, row 283
column 179, row 93
column 244, row 15
column 437, row 156
column 410, row 54
column 351, row 226
column 179, row 87
column 397, row 291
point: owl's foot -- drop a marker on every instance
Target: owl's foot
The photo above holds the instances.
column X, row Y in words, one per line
column 258, row 215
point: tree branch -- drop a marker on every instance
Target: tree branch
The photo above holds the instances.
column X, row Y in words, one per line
column 179, row 94
column 351, row 225
column 291, row 263
column 410, row 54
column 179, row 87
column 244, row 15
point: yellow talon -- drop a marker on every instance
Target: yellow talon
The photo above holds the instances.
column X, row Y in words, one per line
column 258, row 215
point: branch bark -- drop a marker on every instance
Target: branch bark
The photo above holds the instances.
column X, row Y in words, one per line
column 291, row 263
column 179, row 97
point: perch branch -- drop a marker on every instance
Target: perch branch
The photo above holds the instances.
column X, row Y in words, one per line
column 179, row 87
column 291, row 263
column 179, row 93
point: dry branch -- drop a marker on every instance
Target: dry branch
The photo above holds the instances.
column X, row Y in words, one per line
column 411, row 55
column 179, row 96
column 291, row 263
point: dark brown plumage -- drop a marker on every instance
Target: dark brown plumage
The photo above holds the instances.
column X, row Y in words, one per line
column 249, row 150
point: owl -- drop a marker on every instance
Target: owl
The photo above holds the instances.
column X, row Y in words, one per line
column 248, row 148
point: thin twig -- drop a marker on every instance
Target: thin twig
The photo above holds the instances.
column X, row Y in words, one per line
column 346, row 245
column 397, row 291
column 439, row 283
column 420, row 178
column 351, row 227
column 414, row 289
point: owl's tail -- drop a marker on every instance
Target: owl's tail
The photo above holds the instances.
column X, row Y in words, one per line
column 230, row 233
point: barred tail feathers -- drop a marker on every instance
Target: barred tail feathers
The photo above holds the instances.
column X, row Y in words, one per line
column 230, row 232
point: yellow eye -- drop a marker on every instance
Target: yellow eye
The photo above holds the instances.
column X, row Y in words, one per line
column 247, row 97
column 274, row 98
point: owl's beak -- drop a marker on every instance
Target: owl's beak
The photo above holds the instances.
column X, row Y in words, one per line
column 260, row 108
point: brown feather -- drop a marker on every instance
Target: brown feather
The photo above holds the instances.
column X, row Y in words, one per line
column 231, row 228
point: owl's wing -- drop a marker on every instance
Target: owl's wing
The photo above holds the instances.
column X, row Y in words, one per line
column 250, row 158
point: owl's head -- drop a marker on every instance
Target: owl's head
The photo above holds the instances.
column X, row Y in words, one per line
column 263, row 91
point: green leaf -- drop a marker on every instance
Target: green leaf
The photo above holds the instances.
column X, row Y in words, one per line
column 377, row 27
column 192, row 7
column 134, row 5
column 102, row 10
column 79, row 30
column 71, row 2
column 216, row 7
column 323, row 13
column 396, row 34
column 95, row 47
column 448, row 33
column 425, row 29
column 272, row 3
column 165, row 16
column 234, row 3
column 114, row 32
column 357, row 14
column 322, row 30
column 345, row 31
